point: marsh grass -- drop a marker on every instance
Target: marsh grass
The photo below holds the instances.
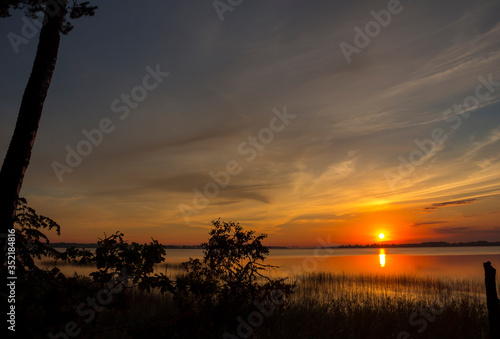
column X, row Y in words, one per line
column 330, row 305
column 371, row 289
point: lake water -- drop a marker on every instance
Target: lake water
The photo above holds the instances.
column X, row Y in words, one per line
column 460, row 262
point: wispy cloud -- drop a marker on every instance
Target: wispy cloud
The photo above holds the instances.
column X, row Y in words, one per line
column 435, row 206
column 476, row 147
column 417, row 224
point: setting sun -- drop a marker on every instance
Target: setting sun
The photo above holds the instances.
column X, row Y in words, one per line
column 381, row 235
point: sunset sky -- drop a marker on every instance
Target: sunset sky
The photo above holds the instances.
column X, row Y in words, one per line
column 403, row 139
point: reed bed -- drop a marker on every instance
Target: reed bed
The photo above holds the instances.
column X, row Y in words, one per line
column 330, row 305
column 327, row 287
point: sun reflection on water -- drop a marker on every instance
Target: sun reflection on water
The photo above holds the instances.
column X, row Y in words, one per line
column 381, row 256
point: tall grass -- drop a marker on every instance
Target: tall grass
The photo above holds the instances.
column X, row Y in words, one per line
column 329, row 305
column 372, row 288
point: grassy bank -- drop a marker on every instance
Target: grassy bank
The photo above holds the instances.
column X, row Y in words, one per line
column 328, row 305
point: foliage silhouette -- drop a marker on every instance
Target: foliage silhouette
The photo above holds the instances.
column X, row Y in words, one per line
column 31, row 242
column 114, row 257
column 228, row 281
column 212, row 292
column 32, row 9
column 44, row 297
column 48, row 299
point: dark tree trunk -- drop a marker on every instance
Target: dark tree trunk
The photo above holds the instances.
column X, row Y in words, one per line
column 492, row 301
column 19, row 153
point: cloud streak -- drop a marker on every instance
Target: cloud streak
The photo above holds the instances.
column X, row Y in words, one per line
column 426, row 223
column 435, row 206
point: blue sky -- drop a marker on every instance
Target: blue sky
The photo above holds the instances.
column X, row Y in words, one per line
column 325, row 173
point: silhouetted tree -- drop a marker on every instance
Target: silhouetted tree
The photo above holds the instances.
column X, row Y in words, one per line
column 46, row 293
column 18, row 156
column 48, row 298
column 228, row 282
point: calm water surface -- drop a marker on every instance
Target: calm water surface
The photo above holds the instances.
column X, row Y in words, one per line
column 435, row 261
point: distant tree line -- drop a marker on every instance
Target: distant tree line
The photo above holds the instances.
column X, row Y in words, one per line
column 427, row 244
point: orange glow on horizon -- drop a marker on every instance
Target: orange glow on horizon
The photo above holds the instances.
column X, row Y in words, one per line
column 380, row 227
